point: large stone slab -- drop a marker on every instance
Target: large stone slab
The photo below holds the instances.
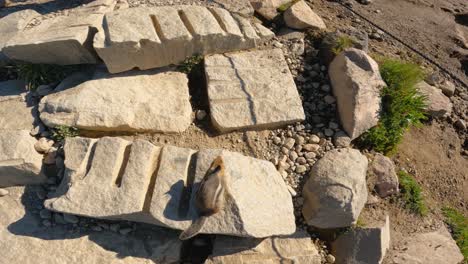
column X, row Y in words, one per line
column 20, row 164
column 116, row 179
column 147, row 38
column 157, row 102
column 336, row 190
column 11, row 24
column 251, row 90
column 15, row 111
column 356, row 83
column 297, row 248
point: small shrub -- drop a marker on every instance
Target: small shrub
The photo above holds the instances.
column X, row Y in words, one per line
column 343, row 42
column 190, row 64
column 59, row 133
column 402, row 106
column 41, row 74
column 411, row 194
column 282, row 8
column 459, row 225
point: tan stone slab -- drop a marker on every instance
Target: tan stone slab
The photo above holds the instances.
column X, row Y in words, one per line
column 15, row 112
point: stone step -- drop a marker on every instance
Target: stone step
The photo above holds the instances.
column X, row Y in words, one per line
column 154, row 37
column 251, row 90
column 112, row 178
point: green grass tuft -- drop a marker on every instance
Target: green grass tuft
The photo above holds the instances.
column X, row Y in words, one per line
column 343, row 42
column 282, row 8
column 402, row 105
column 411, row 193
column 41, row 74
column 459, row 225
column 190, row 64
column 59, row 133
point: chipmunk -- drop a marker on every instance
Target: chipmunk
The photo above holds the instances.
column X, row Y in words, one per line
column 209, row 198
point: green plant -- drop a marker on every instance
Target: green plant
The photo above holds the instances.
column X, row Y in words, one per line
column 459, row 225
column 343, row 42
column 59, row 133
column 402, row 106
column 282, row 8
column 411, row 194
column 40, row 74
column 190, row 63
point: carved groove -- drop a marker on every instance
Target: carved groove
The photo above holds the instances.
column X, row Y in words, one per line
column 123, row 166
column 154, row 175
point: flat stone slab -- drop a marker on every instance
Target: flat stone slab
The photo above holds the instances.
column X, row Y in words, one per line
column 148, row 38
column 15, row 112
column 251, row 90
column 20, row 164
column 113, row 178
column 137, row 101
column 296, row 248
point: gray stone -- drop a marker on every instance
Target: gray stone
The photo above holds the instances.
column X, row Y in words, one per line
column 336, row 191
column 341, row 140
column 356, row 83
column 327, row 50
column 71, row 219
column 448, row 88
column 155, row 37
column 242, row 7
column 151, row 187
column 387, row 179
column 12, row 24
column 438, row 105
column 429, row 248
column 123, row 103
column 251, row 90
column 301, row 16
column 16, row 113
column 20, row 164
column 362, row 245
column 297, row 248
column 267, row 8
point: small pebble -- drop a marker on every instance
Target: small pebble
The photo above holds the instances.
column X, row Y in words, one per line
column 72, row 219
column 201, row 114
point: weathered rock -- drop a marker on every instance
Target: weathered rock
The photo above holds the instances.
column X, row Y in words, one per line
column 113, row 178
column 387, row 179
column 15, row 112
column 251, row 90
column 43, row 145
column 328, row 47
column 362, row 245
column 341, row 140
column 11, row 24
column 59, row 40
column 267, row 8
column 336, row 191
column 241, row 7
column 429, row 248
column 301, row 16
column 438, row 105
column 26, row 241
column 132, row 102
column 356, row 83
column 297, row 248
column 448, row 88
column 169, row 34
column 20, row 164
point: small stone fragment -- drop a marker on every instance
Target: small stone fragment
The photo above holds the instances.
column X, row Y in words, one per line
column 71, row 219
column 301, row 16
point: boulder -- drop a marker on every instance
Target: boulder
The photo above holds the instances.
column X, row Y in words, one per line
column 327, row 51
column 297, row 248
column 429, row 248
column 301, row 16
column 336, row 191
column 123, row 103
column 356, row 83
column 170, row 34
column 268, row 8
column 251, row 90
column 20, row 164
column 438, row 105
column 15, row 111
column 387, row 179
column 241, row 7
column 112, row 178
column 362, row 245
column 12, row 24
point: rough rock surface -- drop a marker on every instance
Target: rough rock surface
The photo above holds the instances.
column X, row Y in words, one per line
column 11, row 24
column 20, row 164
column 301, row 16
column 242, row 7
column 438, row 105
column 362, row 245
column 297, row 248
column 429, row 248
column 115, row 179
column 123, row 103
column 251, row 90
column 326, row 51
column 15, row 112
column 154, row 37
column 356, row 83
column 26, row 241
column 387, row 179
column 59, row 40
column 267, row 8
column 336, row 191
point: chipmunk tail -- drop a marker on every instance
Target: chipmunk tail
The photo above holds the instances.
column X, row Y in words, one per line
column 193, row 229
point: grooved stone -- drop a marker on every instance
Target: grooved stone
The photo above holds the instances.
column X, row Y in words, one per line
column 113, row 178
column 132, row 102
column 251, row 90
column 154, row 37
